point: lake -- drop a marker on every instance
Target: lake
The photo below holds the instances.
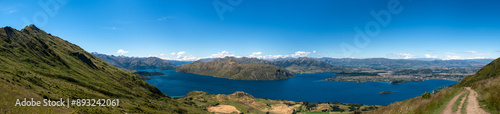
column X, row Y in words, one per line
column 303, row 87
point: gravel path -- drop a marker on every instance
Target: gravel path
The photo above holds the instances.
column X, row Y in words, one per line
column 448, row 109
column 472, row 104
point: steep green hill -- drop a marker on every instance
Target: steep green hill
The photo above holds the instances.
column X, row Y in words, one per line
column 34, row 64
column 135, row 63
column 233, row 70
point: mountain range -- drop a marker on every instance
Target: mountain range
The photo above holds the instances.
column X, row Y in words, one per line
column 135, row 63
column 384, row 63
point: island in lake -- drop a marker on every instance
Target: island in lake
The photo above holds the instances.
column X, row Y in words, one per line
column 386, row 92
column 233, row 70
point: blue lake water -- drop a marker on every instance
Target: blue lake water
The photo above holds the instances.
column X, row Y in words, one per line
column 303, row 87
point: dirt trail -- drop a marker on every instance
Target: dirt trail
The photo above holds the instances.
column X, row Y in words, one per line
column 448, row 109
column 473, row 104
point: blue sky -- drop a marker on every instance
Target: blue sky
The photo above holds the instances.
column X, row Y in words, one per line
column 193, row 29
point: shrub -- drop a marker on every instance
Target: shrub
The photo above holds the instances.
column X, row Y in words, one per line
column 426, row 95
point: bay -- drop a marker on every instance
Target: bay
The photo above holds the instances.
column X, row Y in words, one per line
column 303, row 87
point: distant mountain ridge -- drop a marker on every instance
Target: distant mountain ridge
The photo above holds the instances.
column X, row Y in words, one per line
column 367, row 62
column 136, row 63
column 400, row 63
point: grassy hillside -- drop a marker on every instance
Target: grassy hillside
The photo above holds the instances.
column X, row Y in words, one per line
column 486, row 82
column 418, row 105
column 232, row 70
column 34, row 64
column 245, row 103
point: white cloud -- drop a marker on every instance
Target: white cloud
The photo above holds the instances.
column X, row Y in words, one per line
column 477, row 53
column 300, row 54
column 181, row 53
column 12, row 11
column 403, row 55
column 181, row 56
column 162, row 54
column 450, row 57
column 296, row 54
column 255, row 54
column 111, row 28
column 314, row 51
column 121, row 51
column 165, row 18
column 430, row 56
column 8, row 9
column 481, row 58
column 221, row 55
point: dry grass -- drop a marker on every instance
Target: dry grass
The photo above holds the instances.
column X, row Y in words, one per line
column 418, row 105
